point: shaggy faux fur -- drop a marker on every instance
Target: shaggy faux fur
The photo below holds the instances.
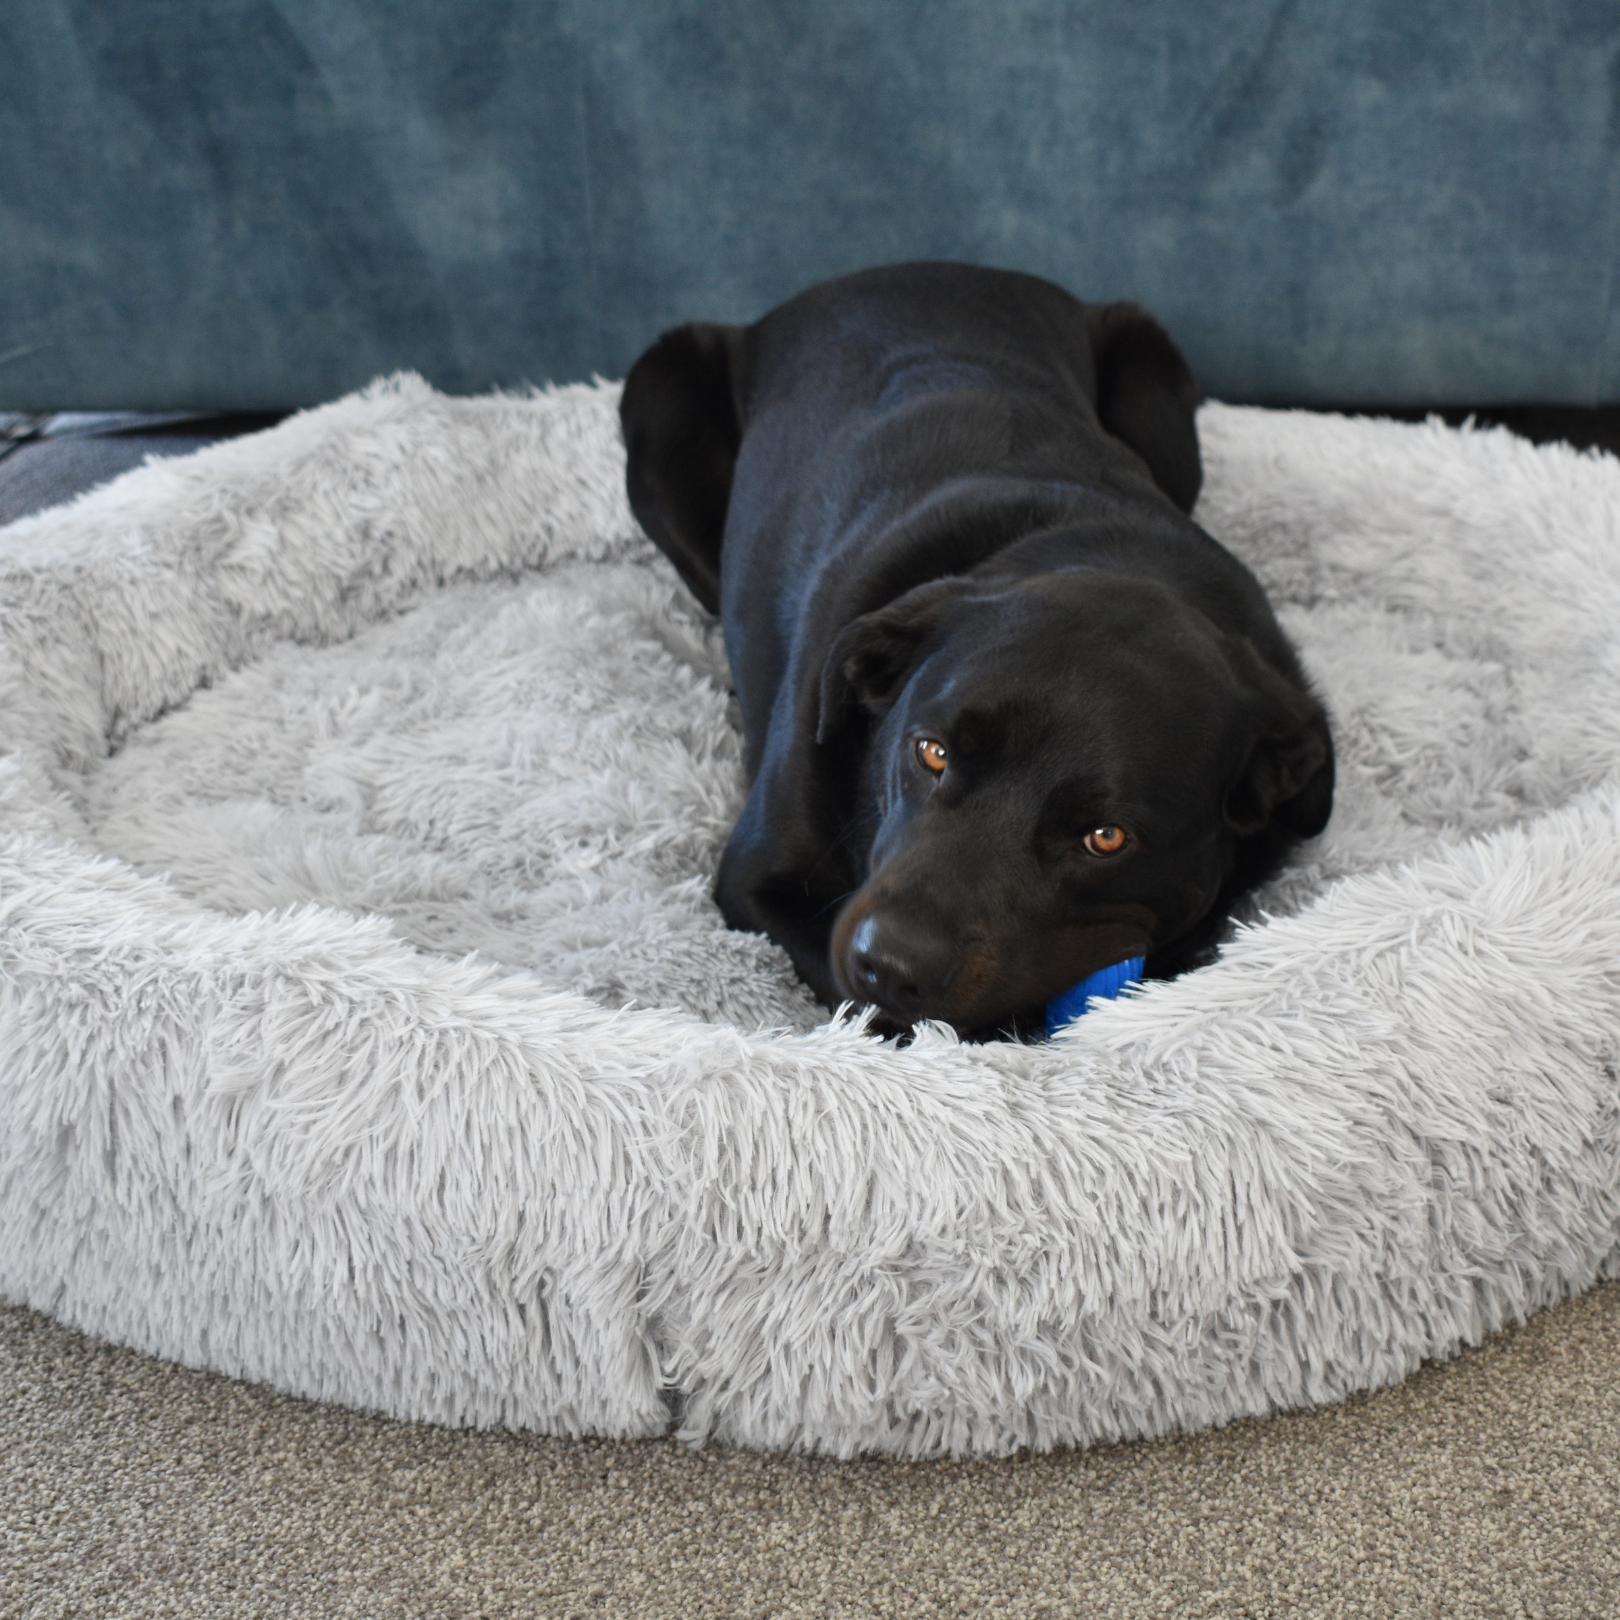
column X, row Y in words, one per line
column 366, row 1026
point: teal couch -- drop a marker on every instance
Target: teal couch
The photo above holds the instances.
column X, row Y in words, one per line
column 256, row 204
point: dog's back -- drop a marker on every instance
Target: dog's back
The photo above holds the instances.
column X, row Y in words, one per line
column 911, row 422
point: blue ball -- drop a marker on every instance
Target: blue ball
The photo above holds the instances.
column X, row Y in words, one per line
column 1103, row 985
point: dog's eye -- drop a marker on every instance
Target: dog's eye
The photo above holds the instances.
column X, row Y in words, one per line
column 1106, row 840
column 931, row 755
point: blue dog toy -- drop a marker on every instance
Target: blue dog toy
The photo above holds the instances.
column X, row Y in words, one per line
column 1105, row 984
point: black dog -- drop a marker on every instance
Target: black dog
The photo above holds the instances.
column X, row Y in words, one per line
column 1010, row 715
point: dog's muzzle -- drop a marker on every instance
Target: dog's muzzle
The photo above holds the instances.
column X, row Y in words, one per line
column 903, row 970
column 902, row 964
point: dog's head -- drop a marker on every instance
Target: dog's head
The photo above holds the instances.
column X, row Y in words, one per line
column 1061, row 770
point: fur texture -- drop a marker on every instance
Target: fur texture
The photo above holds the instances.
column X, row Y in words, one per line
column 366, row 1027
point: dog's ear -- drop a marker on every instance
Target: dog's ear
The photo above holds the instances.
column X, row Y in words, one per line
column 872, row 656
column 1147, row 396
column 682, row 420
column 1287, row 778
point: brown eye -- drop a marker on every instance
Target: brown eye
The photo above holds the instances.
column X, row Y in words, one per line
column 931, row 755
column 1106, row 840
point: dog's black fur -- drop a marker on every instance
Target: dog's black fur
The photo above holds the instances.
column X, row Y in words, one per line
column 937, row 503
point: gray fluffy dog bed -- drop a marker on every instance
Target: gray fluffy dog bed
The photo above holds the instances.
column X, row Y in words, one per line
column 366, row 1027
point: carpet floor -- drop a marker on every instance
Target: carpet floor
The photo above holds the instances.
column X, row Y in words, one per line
column 1484, row 1486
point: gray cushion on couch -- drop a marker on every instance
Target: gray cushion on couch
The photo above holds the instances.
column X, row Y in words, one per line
column 263, row 203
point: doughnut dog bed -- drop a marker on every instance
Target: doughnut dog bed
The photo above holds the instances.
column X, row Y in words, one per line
column 366, row 1027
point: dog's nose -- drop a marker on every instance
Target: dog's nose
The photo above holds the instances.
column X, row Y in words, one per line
column 902, row 968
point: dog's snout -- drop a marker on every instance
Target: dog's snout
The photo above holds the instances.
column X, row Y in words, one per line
column 901, row 967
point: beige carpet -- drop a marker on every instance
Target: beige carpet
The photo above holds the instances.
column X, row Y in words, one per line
column 1487, row 1486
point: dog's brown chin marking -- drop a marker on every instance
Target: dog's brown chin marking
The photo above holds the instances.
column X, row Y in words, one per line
column 974, row 978
column 1082, row 952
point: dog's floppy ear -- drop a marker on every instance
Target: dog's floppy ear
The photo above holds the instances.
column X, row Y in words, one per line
column 872, row 656
column 682, row 424
column 1287, row 778
column 1147, row 396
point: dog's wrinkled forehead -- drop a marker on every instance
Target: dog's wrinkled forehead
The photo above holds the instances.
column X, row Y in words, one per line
column 1075, row 665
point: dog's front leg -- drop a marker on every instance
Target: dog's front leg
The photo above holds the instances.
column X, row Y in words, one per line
column 772, row 884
